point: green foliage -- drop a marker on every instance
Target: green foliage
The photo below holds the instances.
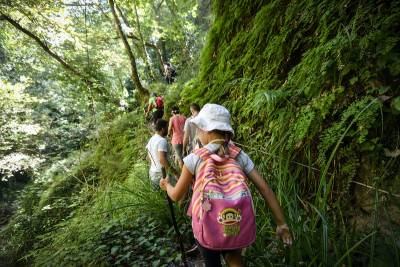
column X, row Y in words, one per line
column 300, row 72
column 116, row 146
column 111, row 226
column 49, row 201
column 362, row 114
column 312, row 89
column 95, row 208
column 61, row 206
column 142, row 243
column 39, row 123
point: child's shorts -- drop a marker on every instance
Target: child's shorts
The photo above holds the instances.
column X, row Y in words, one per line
column 178, row 148
column 155, row 178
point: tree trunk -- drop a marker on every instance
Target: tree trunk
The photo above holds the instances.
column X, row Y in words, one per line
column 141, row 46
column 142, row 42
column 156, row 50
column 134, row 73
column 161, row 43
column 160, row 60
column 173, row 8
column 148, row 44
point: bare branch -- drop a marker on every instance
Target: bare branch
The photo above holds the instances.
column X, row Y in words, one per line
column 45, row 47
column 159, row 5
column 86, row 79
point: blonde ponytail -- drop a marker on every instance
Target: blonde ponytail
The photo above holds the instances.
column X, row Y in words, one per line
column 223, row 150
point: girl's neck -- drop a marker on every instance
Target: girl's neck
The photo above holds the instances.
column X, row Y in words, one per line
column 215, row 138
column 216, row 141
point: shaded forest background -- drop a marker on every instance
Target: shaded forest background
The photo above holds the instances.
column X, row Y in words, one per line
column 313, row 91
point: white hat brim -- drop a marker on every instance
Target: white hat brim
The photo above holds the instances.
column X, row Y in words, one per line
column 211, row 125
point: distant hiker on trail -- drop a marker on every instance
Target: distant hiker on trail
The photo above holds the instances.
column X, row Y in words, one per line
column 190, row 141
column 157, row 149
column 221, row 207
column 169, row 73
column 175, row 131
column 156, row 107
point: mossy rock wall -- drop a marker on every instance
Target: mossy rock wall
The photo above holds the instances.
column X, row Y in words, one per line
column 315, row 82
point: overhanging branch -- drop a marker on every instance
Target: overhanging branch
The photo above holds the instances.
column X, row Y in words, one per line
column 45, row 47
column 83, row 77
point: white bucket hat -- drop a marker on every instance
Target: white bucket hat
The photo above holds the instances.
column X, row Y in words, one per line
column 213, row 117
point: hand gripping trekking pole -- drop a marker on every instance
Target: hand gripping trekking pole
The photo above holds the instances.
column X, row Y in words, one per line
column 171, row 209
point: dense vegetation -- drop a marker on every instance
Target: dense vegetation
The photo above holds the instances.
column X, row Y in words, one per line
column 313, row 88
column 313, row 91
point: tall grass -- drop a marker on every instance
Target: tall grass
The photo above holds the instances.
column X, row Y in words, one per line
column 114, row 204
column 323, row 237
column 93, row 211
column 109, row 201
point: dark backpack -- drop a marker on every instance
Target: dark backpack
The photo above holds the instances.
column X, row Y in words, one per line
column 173, row 72
column 159, row 102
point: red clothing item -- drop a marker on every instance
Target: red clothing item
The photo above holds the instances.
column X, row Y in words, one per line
column 177, row 123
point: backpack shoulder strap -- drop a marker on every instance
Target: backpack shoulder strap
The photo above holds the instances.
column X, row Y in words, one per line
column 234, row 151
column 151, row 156
column 202, row 153
column 205, row 154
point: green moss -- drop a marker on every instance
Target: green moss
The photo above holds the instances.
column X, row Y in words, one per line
column 298, row 66
column 311, row 86
column 306, row 83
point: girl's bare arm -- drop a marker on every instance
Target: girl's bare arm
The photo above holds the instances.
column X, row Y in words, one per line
column 273, row 203
column 176, row 193
column 268, row 195
column 170, row 127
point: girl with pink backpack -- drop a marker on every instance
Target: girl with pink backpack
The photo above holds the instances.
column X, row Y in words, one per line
column 221, row 207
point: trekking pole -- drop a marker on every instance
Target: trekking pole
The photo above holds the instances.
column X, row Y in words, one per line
column 171, row 209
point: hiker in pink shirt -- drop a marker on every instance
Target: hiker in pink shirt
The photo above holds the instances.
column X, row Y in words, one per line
column 175, row 131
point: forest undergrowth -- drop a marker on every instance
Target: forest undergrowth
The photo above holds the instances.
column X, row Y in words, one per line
column 95, row 208
column 313, row 91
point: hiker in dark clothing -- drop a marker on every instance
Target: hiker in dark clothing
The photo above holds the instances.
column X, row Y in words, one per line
column 169, row 73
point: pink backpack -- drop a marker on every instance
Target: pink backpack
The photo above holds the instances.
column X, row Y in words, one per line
column 159, row 102
column 222, row 207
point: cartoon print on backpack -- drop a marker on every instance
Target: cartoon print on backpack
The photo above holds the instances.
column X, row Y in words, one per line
column 230, row 219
